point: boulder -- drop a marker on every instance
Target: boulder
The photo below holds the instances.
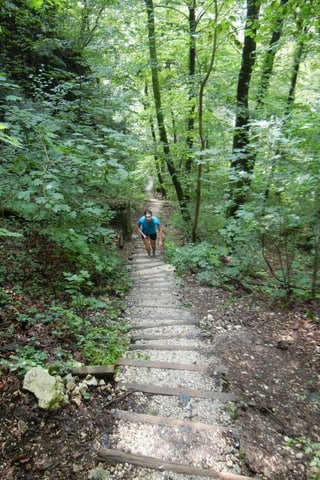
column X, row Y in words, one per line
column 48, row 389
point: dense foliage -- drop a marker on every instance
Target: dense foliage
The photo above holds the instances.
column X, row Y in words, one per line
column 66, row 155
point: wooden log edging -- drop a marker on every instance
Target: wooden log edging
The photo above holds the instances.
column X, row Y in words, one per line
column 108, row 371
column 163, row 336
column 165, row 421
column 155, row 346
column 174, row 391
column 158, row 322
column 117, row 456
column 193, row 367
column 99, row 371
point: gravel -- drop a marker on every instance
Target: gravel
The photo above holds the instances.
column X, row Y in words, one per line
column 204, row 447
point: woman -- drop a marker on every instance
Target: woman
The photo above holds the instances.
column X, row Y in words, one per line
column 148, row 226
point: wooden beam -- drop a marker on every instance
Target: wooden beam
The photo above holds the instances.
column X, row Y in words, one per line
column 164, row 421
column 160, row 336
column 161, row 323
column 153, row 346
column 117, row 456
column 173, row 391
column 192, row 367
column 99, row 371
column 107, row 371
column 164, row 307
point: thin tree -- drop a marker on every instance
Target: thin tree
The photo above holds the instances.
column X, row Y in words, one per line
column 159, row 112
column 242, row 162
column 203, row 142
column 270, row 54
column 191, row 93
column 297, row 58
column 157, row 159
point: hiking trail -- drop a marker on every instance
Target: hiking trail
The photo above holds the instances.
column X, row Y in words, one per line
column 178, row 423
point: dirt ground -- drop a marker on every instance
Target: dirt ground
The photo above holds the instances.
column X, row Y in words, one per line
column 272, row 357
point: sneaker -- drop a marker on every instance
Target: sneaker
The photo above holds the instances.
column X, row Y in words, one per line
column 149, row 253
column 153, row 253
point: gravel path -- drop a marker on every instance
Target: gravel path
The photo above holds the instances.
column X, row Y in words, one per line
column 179, row 422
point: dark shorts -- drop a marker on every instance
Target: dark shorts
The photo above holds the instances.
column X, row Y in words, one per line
column 152, row 236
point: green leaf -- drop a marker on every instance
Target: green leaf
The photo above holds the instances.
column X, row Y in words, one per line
column 35, row 3
column 61, row 208
column 7, row 233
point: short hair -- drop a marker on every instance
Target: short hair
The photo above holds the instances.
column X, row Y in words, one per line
column 147, row 211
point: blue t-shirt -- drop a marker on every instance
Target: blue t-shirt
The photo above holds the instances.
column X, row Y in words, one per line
column 148, row 228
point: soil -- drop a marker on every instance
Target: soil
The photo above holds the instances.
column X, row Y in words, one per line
column 272, row 357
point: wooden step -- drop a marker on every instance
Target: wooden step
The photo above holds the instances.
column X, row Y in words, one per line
column 117, row 456
column 154, row 346
column 163, row 336
column 99, row 371
column 152, row 305
column 162, row 323
column 147, row 262
column 176, row 391
column 108, row 371
column 164, row 421
column 150, row 277
column 192, row 367
column 158, row 304
column 158, row 287
column 156, row 283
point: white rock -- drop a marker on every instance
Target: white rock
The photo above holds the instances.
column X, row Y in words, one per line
column 49, row 392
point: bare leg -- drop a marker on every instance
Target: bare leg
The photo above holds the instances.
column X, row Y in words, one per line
column 147, row 245
column 153, row 246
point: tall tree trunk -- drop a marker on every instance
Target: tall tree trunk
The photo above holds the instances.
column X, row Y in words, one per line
column 159, row 113
column 243, row 160
column 201, row 128
column 158, row 163
column 270, row 55
column 294, row 76
column 191, row 94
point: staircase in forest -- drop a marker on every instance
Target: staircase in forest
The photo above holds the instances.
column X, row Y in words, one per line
column 177, row 424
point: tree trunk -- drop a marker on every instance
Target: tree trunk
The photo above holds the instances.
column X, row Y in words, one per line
column 294, row 76
column 159, row 113
column 191, row 95
column 270, row 55
column 158, row 163
column 243, row 159
column 201, row 128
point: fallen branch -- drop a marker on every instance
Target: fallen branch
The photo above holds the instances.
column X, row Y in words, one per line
column 117, row 399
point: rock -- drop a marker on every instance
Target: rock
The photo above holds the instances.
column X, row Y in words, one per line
column 70, row 386
column 285, row 342
column 77, row 468
column 77, row 399
column 98, row 474
column 81, row 387
column 48, row 390
column 184, row 398
column 22, row 426
column 91, row 381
